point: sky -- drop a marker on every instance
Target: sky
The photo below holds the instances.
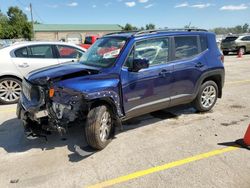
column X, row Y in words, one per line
column 205, row 14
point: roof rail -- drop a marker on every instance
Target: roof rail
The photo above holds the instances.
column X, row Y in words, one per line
column 136, row 33
column 167, row 30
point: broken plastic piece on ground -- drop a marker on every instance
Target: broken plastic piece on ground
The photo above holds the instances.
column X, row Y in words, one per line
column 84, row 151
column 37, row 136
column 14, row 181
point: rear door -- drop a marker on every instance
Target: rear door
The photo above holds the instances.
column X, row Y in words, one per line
column 189, row 63
column 148, row 89
column 34, row 57
column 68, row 53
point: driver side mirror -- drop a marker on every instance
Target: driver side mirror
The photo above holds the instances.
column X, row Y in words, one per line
column 139, row 64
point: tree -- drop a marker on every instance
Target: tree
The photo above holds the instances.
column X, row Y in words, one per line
column 150, row 26
column 235, row 30
column 15, row 24
column 245, row 28
column 129, row 27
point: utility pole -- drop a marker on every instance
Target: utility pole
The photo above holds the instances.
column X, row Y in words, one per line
column 32, row 20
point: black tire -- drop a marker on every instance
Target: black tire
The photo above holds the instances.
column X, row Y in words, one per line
column 14, row 85
column 200, row 99
column 93, row 127
column 243, row 49
column 225, row 53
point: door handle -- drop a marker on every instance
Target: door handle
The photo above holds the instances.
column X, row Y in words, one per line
column 164, row 73
column 199, row 65
column 23, row 65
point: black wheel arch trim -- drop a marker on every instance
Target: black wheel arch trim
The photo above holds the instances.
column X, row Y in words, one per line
column 209, row 74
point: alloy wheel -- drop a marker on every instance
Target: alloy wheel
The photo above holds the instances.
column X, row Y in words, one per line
column 208, row 96
column 9, row 91
column 105, row 126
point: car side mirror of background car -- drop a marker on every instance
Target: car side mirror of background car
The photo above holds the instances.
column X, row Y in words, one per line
column 139, row 64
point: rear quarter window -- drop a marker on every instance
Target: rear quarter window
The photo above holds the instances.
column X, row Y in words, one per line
column 186, row 47
column 21, row 52
column 203, row 40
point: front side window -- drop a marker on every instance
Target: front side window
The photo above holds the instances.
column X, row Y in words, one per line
column 69, row 52
column 22, row 52
column 104, row 52
column 41, row 51
column 154, row 50
column 186, row 47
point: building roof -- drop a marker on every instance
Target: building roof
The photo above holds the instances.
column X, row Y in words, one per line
column 76, row 27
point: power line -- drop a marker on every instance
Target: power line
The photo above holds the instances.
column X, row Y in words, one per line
column 37, row 15
column 21, row 3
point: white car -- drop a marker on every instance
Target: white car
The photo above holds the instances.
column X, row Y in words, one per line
column 19, row 59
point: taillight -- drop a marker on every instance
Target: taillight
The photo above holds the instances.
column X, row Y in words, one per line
column 222, row 58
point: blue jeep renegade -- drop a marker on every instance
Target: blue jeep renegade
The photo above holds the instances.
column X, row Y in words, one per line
column 121, row 76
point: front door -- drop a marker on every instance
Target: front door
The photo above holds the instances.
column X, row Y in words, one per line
column 148, row 89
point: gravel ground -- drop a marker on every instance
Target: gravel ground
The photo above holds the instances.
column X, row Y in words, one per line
column 150, row 140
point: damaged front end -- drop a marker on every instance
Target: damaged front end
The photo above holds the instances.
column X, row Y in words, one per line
column 45, row 107
column 64, row 108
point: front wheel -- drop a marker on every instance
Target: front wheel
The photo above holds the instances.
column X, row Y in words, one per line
column 207, row 96
column 99, row 127
column 10, row 89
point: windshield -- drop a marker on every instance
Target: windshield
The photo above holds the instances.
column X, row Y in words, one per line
column 104, row 52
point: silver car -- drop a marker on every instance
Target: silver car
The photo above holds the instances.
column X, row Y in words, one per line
column 19, row 59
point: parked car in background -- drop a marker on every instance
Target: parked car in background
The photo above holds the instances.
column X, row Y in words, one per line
column 19, row 59
column 123, row 75
column 236, row 44
column 89, row 40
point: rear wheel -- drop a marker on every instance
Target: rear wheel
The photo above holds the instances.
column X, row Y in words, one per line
column 207, row 96
column 10, row 89
column 99, row 127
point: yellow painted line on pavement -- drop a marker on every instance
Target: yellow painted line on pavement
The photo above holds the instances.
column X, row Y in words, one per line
column 162, row 167
column 237, row 82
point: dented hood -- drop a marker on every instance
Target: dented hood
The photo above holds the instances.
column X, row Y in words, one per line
column 60, row 72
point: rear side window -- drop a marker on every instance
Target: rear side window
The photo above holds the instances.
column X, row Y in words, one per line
column 41, row 51
column 203, row 40
column 22, row 52
column 186, row 47
column 229, row 39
